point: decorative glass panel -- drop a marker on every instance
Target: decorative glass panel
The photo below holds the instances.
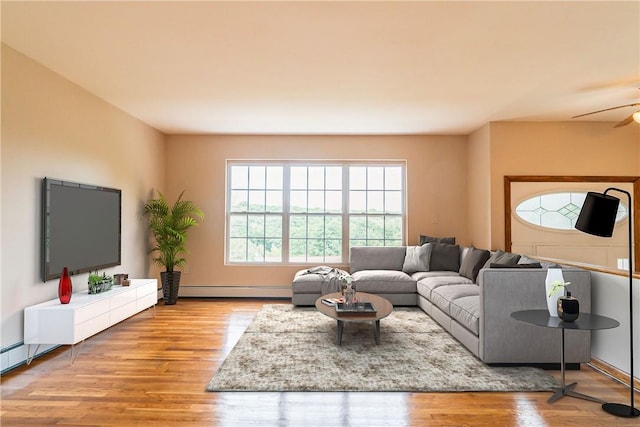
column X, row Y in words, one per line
column 558, row 211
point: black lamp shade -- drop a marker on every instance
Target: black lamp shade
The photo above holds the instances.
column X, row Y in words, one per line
column 598, row 214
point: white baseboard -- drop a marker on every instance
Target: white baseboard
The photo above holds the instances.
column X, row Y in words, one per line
column 236, row 291
column 16, row 355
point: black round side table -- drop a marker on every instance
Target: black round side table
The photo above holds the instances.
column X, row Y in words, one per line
column 585, row 321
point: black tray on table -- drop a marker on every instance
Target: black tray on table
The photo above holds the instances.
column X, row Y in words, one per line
column 369, row 308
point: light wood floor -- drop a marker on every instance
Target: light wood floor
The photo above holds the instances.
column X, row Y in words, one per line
column 153, row 371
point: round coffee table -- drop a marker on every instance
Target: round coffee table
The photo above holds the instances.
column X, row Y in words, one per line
column 383, row 309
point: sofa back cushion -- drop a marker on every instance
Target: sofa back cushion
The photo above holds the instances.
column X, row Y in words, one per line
column 429, row 239
column 376, row 258
column 473, row 262
column 445, row 257
column 417, row 258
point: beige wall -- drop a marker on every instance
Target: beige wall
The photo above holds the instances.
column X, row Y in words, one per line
column 557, row 148
column 479, row 187
column 436, row 189
column 51, row 127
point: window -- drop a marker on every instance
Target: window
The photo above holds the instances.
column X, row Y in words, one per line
column 301, row 212
column 559, row 210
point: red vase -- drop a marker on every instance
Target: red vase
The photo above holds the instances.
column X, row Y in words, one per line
column 64, row 287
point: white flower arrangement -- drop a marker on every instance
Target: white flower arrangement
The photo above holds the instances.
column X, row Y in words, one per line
column 557, row 284
column 346, row 278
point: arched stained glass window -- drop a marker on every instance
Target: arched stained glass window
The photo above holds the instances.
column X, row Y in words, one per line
column 557, row 210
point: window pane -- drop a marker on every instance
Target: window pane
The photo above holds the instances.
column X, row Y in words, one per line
column 257, row 175
column 375, row 202
column 357, row 178
column 298, row 177
column 274, row 201
column 316, row 201
column 274, row 177
column 358, row 227
column 298, row 201
column 333, row 176
column 298, row 226
column 375, row 227
column 256, row 226
column 316, row 178
column 316, row 227
column 298, row 250
column 273, row 250
column 357, row 201
column 315, row 250
column 375, row 178
column 333, row 201
column 239, row 177
column 256, row 201
column 393, row 178
column 375, row 242
column 393, row 227
column 357, row 242
column 273, row 226
column 333, row 250
column 333, row 227
column 556, row 210
column 239, row 200
column 393, row 201
column 237, row 250
column 256, row 250
column 238, row 226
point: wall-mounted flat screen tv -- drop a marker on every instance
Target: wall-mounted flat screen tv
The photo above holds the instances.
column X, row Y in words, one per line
column 81, row 226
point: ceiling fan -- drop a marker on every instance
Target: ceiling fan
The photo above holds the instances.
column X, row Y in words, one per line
column 632, row 117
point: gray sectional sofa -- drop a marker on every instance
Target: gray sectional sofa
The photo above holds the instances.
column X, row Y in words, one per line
column 470, row 292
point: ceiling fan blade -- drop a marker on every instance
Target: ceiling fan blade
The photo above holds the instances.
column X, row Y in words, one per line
column 607, row 109
column 625, row 121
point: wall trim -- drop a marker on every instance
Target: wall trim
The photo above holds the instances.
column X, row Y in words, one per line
column 231, row 291
column 613, row 373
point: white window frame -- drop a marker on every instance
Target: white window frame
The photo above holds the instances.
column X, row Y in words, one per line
column 287, row 214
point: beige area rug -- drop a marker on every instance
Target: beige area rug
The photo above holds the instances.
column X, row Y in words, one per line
column 288, row 348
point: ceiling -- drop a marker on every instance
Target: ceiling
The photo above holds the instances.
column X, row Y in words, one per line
column 324, row 67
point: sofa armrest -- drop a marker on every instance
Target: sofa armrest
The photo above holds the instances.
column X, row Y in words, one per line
column 506, row 340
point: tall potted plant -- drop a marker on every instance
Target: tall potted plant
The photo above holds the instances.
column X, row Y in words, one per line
column 169, row 225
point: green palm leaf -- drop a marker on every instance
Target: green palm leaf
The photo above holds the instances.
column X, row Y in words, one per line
column 169, row 226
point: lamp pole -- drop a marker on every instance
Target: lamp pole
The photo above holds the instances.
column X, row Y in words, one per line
column 619, row 409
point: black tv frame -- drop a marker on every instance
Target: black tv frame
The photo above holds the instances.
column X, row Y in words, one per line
column 47, row 273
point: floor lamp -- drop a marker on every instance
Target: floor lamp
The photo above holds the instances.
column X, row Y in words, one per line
column 597, row 217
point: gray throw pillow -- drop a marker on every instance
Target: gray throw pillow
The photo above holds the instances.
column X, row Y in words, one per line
column 473, row 262
column 428, row 239
column 444, row 257
column 526, row 260
column 417, row 258
column 502, row 257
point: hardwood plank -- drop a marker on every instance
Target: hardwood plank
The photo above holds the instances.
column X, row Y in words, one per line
column 154, row 370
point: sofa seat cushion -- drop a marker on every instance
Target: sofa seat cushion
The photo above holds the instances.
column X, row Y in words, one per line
column 466, row 311
column 383, row 282
column 428, row 284
column 443, row 296
column 419, row 275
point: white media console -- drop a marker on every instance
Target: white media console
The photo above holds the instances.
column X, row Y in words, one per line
column 68, row 324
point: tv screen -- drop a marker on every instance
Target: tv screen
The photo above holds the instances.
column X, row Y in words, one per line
column 81, row 227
